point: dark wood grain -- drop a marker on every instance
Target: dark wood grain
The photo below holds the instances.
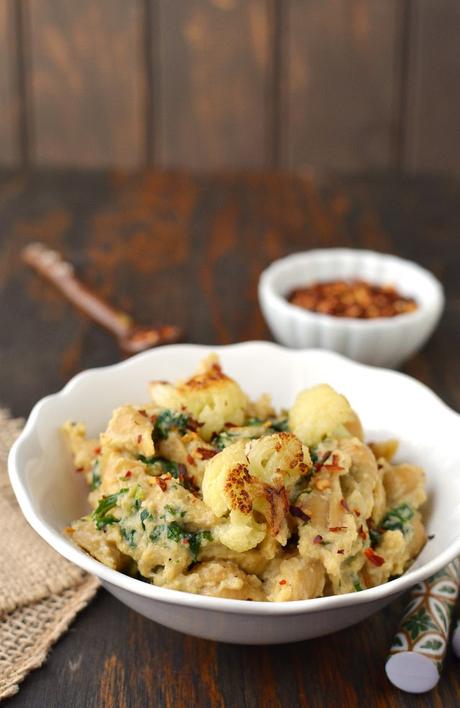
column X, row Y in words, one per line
column 8, row 137
column 341, row 84
column 189, row 249
column 88, row 82
column 342, row 78
column 213, row 69
column 433, row 138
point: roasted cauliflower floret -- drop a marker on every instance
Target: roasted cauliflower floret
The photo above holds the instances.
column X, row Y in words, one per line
column 320, row 412
column 250, row 482
column 211, row 397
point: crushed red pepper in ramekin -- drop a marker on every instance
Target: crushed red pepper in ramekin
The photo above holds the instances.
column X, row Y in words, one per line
column 352, row 298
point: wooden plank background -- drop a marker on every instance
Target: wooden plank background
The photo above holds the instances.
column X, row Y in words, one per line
column 333, row 84
column 9, row 152
column 87, row 82
column 433, row 131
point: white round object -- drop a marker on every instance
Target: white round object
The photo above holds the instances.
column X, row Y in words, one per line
column 383, row 341
column 412, row 672
column 390, row 405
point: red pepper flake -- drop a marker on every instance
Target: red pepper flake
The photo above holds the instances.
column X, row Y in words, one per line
column 139, row 438
column 185, row 541
column 191, row 461
column 344, row 504
column 297, row 511
column 153, row 418
column 182, row 472
column 341, row 551
column 334, row 467
column 144, row 413
column 373, row 558
column 318, row 539
column 283, row 582
column 128, row 474
column 162, row 483
column 205, row 453
column 358, row 513
column 335, row 529
column 79, row 469
column 97, row 450
column 317, row 466
column 361, row 533
column 193, row 424
column 230, row 425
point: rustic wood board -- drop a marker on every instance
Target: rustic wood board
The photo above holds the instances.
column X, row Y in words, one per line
column 8, row 103
column 87, row 82
column 212, row 71
column 342, row 68
column 433, row 113
column 171, row 246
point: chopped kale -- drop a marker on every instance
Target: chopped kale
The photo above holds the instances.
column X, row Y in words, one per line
column 396, row 519
column 375, row 536
column 280, row 425
column 174, row 511
column 195, row 541
column 174, row 532
column 100, row 514
column 254, row 421
column 224, row 439
column 145, row 516
column 168, row 420
column 357, row 586
column 157, row 533
column 314, row 456
column 95, row 475
column 164, row 465
column 128, row 535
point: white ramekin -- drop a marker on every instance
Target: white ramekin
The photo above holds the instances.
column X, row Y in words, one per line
column 384, row 341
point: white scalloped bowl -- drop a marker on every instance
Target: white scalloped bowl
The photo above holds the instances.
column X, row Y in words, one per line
column 389, row 403
column 384, row 341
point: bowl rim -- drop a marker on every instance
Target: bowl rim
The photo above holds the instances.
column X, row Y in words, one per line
column 267, row 289
column 116, row 578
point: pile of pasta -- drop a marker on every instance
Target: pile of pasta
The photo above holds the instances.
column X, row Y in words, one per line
column 204, row 491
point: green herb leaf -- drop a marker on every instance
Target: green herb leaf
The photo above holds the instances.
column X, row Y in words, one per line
column 128, row 535
column 397, row 519
column 164, row 465
column 100, row 515
column 223, row 439
column 280, row 426
column 254, row 421
column 168, row 420
column 195, row 541
column 175, row 532
column 145, row 516
column 95, row 475
column 157, row 533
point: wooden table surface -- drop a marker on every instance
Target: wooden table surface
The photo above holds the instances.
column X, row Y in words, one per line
column 174, row 247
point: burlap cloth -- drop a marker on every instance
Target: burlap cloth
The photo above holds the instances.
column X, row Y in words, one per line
column 40, row 592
